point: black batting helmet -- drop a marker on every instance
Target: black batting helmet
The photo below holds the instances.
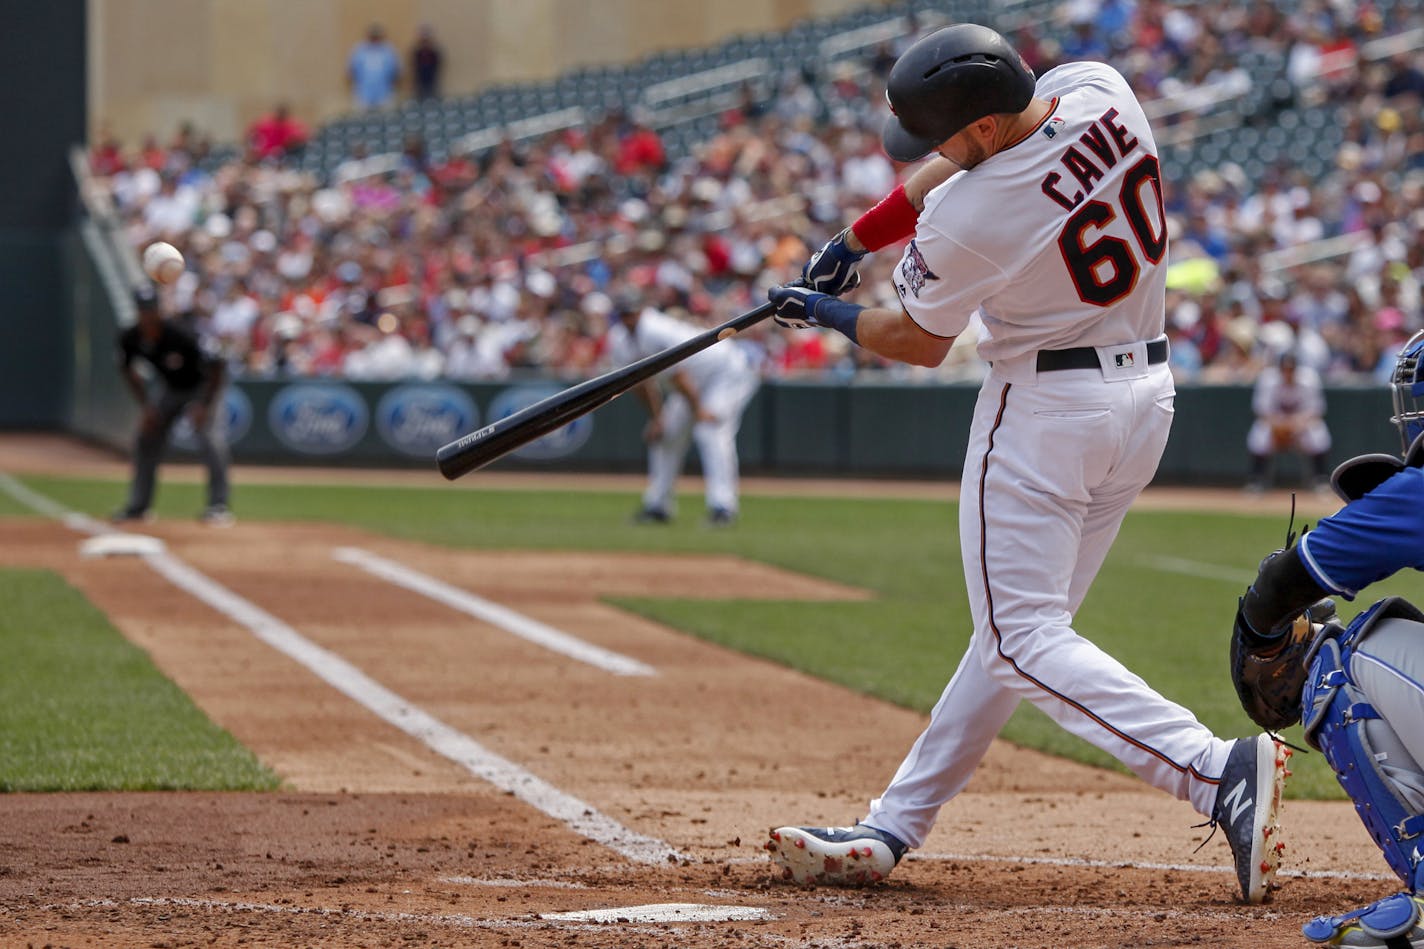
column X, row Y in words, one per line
column 948, row 79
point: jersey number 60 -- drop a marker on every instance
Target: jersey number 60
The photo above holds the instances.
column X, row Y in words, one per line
column 1106, row 270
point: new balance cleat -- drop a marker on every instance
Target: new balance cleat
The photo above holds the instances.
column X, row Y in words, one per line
column 834, row 856
column 1385, row 924
column 1248, row 803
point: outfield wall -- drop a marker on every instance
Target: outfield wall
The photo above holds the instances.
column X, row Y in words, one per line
column 870, row 427
column 803, row 428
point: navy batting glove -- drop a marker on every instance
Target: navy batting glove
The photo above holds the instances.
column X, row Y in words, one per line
column 832, row 269
column 799, row 306
column 796, row 305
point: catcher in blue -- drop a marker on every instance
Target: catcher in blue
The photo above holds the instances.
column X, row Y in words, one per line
column 1359, row 690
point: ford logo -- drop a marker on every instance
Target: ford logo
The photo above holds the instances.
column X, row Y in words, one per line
column 318, row 418
column 419, row 419
column 560, row 443
column 236, row 417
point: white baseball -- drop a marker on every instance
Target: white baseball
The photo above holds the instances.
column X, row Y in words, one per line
column 162, row 262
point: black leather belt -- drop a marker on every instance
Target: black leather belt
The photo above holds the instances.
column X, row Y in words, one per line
column 1086, row 357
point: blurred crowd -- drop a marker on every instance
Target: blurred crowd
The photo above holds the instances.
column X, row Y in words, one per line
column 474, row 266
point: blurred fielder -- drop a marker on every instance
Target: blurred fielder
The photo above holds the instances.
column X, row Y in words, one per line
column 707, row 395
column 188, row 379
column 1288, row 401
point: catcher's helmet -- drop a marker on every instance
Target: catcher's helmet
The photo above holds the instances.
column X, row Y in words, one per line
column 1407, row 385
column 948, row 79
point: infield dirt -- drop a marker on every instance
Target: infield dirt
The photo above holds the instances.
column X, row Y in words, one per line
column 377, row 840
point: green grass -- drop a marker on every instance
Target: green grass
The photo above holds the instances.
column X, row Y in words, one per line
column 1169, row 626
column 10, row 507
column 83, row 709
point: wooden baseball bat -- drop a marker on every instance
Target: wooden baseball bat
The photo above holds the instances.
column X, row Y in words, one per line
column 497, row 439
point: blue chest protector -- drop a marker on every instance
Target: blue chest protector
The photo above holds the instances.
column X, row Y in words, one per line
column 1333, row 710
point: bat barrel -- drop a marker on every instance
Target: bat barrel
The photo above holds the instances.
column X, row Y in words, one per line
column 482, row 446
column 497, row 439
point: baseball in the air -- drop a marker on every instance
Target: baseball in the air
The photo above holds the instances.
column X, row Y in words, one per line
column 162, row 262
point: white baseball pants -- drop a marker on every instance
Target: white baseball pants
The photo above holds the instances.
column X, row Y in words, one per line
column 726, row 397
column 1314, row 439
column 1054, row 461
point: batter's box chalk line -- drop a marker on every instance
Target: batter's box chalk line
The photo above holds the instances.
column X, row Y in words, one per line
column 650, row 913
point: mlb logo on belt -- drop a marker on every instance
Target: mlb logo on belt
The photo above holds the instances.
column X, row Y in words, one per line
column 1123, row 360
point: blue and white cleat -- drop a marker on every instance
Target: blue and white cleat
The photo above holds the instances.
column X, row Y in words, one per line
column 1248, row 804
column 835, row 856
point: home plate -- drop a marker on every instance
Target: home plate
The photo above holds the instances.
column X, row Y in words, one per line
column 661, row 913
column 120, row 545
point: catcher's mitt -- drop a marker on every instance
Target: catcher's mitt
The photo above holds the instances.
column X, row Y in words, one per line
column 1268, row 673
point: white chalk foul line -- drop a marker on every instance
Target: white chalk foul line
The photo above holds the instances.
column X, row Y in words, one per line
column 1110, row 865
column 468, row 603
column 1195, row 568
column 661, row 913
column 341, row 675
column 49, row 507
column 509, row 883
column 390, row 707
column 1136, row 865
column 444, row 919
column 652, row 913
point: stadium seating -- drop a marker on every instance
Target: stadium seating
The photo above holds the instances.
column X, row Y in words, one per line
column 1242, row 114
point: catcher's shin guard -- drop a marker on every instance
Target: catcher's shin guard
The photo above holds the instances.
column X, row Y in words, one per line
column 1390, row 923
column 1338, row 718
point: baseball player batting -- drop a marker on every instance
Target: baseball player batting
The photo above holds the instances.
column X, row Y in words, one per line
column 1359, row 690
column 1048, row 223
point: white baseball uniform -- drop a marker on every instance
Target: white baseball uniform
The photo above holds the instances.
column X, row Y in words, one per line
column 1059, row 243
column 725, row 380
column 1303, row 398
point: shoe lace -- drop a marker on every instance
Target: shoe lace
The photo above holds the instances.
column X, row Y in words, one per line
column 1290, row 745
column 1213, row 823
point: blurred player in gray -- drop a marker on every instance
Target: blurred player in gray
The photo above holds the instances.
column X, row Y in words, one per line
column 1289, row 404
column 186, row 379
column 704, row 402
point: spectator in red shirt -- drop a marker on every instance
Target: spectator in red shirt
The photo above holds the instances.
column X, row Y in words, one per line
column 277, row 134
column 151, row 154
column 640, row 150
column 108, row 156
